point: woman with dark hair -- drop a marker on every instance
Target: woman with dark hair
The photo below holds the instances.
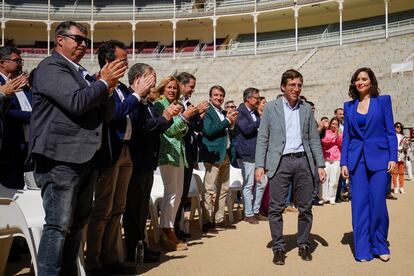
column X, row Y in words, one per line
column 262, row 103
column 331, row 146
column 398, row 172
column 369, row 154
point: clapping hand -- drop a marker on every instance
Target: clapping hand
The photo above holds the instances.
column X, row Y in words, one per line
column 142, row 85
column 112, row 72
column 13, row 85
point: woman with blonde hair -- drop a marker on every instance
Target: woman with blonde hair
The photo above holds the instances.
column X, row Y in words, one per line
column 171, row 161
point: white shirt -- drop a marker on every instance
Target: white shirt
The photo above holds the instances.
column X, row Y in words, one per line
column 293, row 127
column 222, row 118
column 251, row 113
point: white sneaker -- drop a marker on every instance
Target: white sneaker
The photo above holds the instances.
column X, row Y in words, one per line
column 396, row 190
column 402, row 191
column 332, row 202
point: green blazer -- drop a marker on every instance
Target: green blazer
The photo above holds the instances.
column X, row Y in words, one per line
column 213, row 146
column 172, row 147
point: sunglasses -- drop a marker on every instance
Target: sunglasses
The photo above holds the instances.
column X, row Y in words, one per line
column 78, row 39
column 397, row 126
column 231, row 106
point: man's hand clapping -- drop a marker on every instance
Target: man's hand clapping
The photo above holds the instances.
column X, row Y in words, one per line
column 112, row 72
column 143, row 84
column 190, row 112
column 13, row 85
column 173, row 110
column 232, row 116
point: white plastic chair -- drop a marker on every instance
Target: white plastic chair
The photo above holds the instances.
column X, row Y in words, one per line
column 194, row 194
column 235, row 184
column 157, row 193
column 12, row 224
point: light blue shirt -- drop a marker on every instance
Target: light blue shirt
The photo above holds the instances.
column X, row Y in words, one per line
column 292, row 121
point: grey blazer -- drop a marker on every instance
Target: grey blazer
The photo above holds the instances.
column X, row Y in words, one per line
column 67, row 113
column 272, row 137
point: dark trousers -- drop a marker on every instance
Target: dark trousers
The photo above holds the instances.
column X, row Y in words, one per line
column 136, row 212
column 291, row 171
column 188, row 174
column 67, row 191
column 370, row 220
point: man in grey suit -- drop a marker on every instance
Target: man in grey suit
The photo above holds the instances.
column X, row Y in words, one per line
column 69, row 107
column 287, row 145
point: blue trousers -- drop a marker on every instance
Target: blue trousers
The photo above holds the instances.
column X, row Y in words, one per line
column 369, row 211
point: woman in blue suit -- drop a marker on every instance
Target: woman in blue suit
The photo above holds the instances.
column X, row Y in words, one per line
column 369, row 153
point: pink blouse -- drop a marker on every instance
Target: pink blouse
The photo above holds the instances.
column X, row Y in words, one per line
column 331, row 146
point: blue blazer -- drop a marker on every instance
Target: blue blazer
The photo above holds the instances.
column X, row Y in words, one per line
column 378, row 142
column 246, row 134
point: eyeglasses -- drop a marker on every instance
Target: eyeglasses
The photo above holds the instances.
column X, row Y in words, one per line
column 78, row 39
column 16, row 60
column 397, row 126
column 231, row 106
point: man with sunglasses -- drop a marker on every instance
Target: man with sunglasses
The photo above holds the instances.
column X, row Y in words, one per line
column 69, row 108
column 14, row 122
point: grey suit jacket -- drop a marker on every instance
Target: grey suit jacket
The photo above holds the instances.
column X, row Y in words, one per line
column 67, row 112
column 271, row 138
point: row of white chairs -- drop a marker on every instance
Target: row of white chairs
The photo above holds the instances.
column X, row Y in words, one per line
column 195, row 193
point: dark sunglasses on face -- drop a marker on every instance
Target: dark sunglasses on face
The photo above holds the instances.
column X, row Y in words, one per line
column 78, row 39
column 397, row 126
column 231, row 106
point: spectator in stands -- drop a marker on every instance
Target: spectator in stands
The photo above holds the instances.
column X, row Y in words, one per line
column 369, row 153
column 331, row 146
column 69, row 107
column 399, row 171
column 187, row 83
column 288, row 146
column 247, row 124
column 172, row 161
column 16, row 119
column 111, row 190
column 216, row 151
column 262, row 103
column 144, row 146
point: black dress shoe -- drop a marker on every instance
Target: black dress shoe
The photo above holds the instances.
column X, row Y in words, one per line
column 97, row 272
column 119, row 268
column 181, row 235
column 390, row 196
column 304, row 253
column 150, row 258
column 279, row 257
column 148, row 251
column 207, row 226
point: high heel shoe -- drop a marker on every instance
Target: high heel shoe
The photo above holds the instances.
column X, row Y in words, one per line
column 384, row 257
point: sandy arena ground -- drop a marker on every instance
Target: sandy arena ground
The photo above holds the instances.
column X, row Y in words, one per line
column 246, row 250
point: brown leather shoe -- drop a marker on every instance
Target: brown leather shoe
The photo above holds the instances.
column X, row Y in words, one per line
column 251, row 220
column 260, row 217
column 170, row 241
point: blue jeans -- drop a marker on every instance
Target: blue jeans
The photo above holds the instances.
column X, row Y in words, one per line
column 252, row 199
column 67, row 191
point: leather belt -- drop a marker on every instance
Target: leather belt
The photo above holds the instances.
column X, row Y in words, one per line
column 295, row 154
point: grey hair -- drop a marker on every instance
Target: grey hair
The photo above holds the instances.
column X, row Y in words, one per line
column 137, row 69
column 249, row 92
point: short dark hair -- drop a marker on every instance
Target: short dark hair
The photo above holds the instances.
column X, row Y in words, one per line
column 373, row 91
column 262, row 98
column 106, row 51
column 310, row 103
column 249, row 92
column 137, row 69
column 336, row 110
column 290, row 75
column 324, row 118
column 219, row 88
column 7, row 51
column 64, row 27
column 185, row 77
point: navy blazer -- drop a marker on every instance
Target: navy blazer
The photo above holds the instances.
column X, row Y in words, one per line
column 246, row 134
column 67, row 113
column 378, row 142
column 144, row 145
column 117, row 126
